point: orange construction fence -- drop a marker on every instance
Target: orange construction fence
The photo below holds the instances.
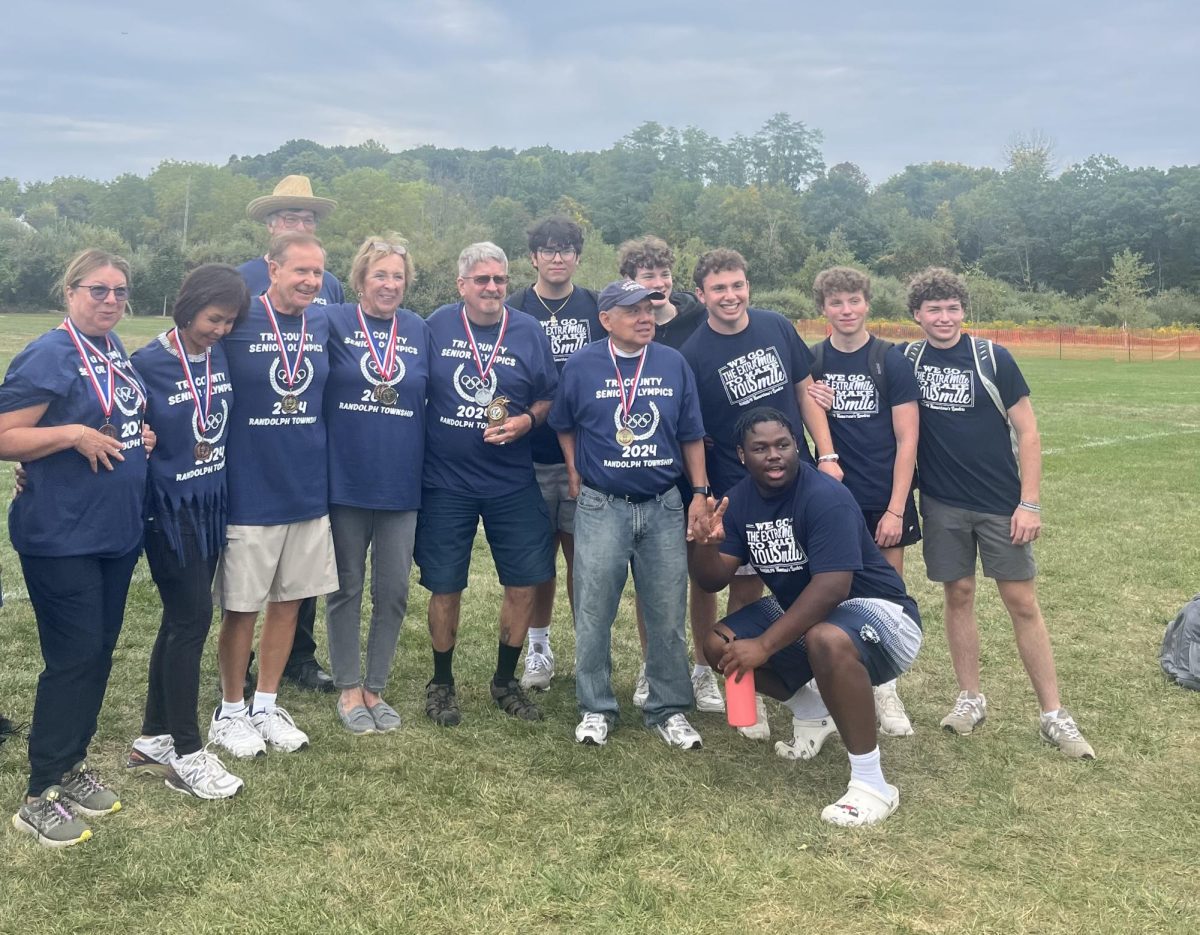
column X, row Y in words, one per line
column 1068, row 342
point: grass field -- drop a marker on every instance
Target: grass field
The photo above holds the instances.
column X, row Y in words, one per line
column 499, row 826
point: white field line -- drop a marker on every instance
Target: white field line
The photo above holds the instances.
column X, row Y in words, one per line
column 1184, row 429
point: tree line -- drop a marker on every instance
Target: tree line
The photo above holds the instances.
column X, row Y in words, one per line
column 1098, row 242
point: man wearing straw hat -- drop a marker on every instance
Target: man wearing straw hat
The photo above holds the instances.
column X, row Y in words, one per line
column 292, row 206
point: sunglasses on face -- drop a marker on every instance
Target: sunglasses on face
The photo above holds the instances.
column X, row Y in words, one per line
column 484, row 280
column 100, row 293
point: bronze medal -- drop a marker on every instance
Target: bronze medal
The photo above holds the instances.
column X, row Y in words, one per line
column 385, row 394
column 497, row 411
column 108, row 430
column 625, row 436
column 203, row 450
column 290, row 404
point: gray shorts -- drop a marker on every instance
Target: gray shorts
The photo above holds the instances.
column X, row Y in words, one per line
column 552, row 481
column 953, row 536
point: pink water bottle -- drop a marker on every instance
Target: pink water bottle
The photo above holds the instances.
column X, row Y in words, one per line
column 740, row 707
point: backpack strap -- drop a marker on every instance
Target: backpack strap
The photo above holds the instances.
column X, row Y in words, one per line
column 818, row 353
column 984, row 352
column 877, row 349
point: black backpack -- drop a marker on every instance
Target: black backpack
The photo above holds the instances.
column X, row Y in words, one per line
column 1180, row 654
column 877, row 349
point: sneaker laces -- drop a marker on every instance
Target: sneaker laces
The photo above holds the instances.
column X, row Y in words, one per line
column 535, row 661
column 964, row 706
column 89, row 779
column 1065, row 726
column 892, row 706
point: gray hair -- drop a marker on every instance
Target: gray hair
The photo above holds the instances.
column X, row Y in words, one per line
column 478, row 253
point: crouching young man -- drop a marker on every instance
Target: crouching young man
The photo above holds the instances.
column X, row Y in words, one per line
column 839, row 613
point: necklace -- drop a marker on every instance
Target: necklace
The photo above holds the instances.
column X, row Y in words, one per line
column 561, row 305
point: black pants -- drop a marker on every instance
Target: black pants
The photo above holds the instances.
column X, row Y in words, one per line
column 79, row 603
column 185, row 587
column 304, row 646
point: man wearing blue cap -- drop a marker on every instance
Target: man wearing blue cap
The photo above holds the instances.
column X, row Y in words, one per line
column 628, row 418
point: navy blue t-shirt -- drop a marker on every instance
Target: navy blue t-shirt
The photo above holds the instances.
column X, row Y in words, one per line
column 860, row 420
column 665, row 413
column 456, row 456
column 964, row 456
column 758, row 366
column 185, row 488
column 258, row 281
column 571, row 327
column 814, row 526
column 376, row 450
column 277, row 462
column 65, row 509
column 690, row 314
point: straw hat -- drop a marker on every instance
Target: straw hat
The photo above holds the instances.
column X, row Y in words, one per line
column 295, row 191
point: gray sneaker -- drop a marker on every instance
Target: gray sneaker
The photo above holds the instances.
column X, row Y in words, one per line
column 1062, row 732
column 385, row 716
column 50, row 819
column 86, row 792
column 969, row 712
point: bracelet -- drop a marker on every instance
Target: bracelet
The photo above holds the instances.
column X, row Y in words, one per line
column 532, row 419
column 1031, row 507
column 82, row 432
column 832, row 457
column 899, row 516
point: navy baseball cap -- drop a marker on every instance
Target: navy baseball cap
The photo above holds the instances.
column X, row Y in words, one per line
column 625, row 292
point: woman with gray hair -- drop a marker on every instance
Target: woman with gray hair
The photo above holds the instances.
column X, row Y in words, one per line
column 379, row 357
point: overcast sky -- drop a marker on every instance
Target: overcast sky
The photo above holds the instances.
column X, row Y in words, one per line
column 98, row 89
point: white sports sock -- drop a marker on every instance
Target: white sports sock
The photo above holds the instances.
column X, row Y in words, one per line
column 539, row 635
column 807, row 704
column 1048, row 715
column 264, row 703
column 865, row 768
column 231, row 708
column 698, row 669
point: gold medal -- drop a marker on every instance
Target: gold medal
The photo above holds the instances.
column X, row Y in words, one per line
column 202, row 451
column 108, row 430
column 384, row 394
column 497, row 411
column 290, row 404
column 625, row 436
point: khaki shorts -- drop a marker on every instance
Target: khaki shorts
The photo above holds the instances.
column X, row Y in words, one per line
column 275, row 563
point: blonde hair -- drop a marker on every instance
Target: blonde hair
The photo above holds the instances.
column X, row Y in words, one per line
column 88, row 262
column 377, row 248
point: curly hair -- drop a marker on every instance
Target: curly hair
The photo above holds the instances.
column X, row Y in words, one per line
column 647, row 252
column 840, row 279
column 721, row 260
column 934, row 284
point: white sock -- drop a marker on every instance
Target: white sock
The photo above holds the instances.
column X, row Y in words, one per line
column 539, row 636
column 865, row 768
column 1051, row 714
column 264, row 703
column 807, row 704
column 698, row 669
column 232, row 708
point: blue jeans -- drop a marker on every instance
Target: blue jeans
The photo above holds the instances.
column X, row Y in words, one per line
column 610, row 535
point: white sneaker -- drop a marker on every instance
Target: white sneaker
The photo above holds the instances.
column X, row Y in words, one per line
column 641, row 688
column 761, row 728
column 279, row 730
column 592, row 729
column 808, row 737
column 677, row 732
column 861, row 805
column 539, row 667
column 236, row 734
column 708, row 694
column 151, row 756
column 968, row 713
column 889, row 711
column 203, row 775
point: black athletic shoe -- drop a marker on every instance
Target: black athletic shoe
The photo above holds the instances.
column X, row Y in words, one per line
column 310, row 677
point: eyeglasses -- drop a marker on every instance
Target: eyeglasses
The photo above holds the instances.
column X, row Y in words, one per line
column 548, row 253
column 484, row 280
column 297, row 220
column 100, row 293
column 384, row 247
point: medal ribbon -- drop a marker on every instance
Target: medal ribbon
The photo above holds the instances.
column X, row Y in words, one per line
column 289, row 369
column 627, row 403
column 387, row 366
column 485, row 371
column 81, row 341
column 201, row 413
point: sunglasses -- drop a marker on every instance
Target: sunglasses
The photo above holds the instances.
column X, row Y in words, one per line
column 484, row 280
column 100, row 293
column 384, row 247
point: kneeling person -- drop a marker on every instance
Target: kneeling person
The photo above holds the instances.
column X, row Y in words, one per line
column 628, row 419
column 840, row 613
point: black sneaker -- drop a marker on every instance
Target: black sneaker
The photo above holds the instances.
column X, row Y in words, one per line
column 310, row 677
column 50, row 819
column 512, row 700
column 7, row 729
column 441, row 704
